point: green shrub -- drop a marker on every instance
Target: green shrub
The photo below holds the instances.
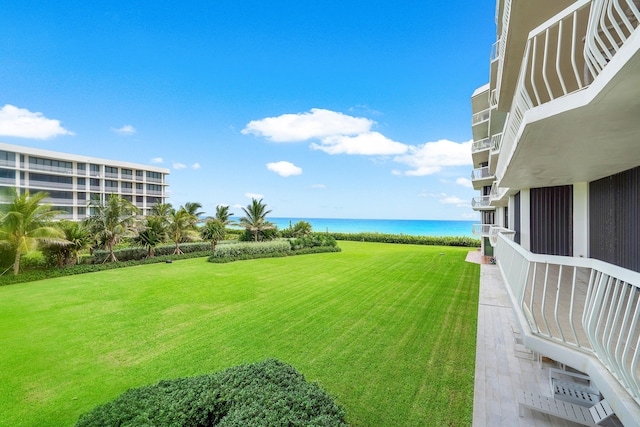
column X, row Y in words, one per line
column 313, row 240
column 251, row 248
column 269, row 393
column 138, row 253
column 408, row 239
column 304, row 251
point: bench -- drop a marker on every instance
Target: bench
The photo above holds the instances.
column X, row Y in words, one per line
column 565, row 410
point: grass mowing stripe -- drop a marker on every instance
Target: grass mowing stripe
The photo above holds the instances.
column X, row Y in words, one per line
column 387, row 329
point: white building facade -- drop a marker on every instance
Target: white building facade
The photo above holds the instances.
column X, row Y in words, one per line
column 72, row 181
column 556, row 157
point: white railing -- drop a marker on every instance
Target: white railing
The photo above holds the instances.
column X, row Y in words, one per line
column 159, row 180
column 10, row 163
column 506, row 15
column 496, row 141
column 496, row 230
column 495, row 50
column 47, row 184
column 111, row 175
column 497, row 192
column 481, row 229
column 556, row 63
column 493, row 98
column 578, row 303
column 480, row 117
column 611, row 22
column 480, row 173
column 481, row 145
column 55, row 201
column 8, row 181
column 55, row 169
column 480, row 202
column 154, row 193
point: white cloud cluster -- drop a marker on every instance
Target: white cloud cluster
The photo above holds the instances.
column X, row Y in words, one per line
column 430, row 158
column 157, row 160
column 254, row 195
column 317, row 123
column 465, row 182
column 178, row 165
column 447, row 199
column 338, row 133
column 22, row 123
column 125, row 130
column 285, row 169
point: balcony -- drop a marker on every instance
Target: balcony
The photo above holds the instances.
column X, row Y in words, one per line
column 481, row 203
column 54, row 169
column 499, row 196
column 496, row 231
column 495, row 51
column 480, row 151
column 111, row 175
column 481, row 177
column 557, row 113
column 582, row 312
column 481, row 230
column 9, row 163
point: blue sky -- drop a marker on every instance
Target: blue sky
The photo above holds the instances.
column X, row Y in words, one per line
column 339, row 109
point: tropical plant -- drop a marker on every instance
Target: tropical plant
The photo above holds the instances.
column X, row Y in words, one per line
column 223, row 215
column 213, row 231
column 78, row 237
column 25, row 223
column 113, row 221
column 255, row 220
column 181, row 228
column 192, row 209
column 154, row 234
column 302, row 229
column 161, row 210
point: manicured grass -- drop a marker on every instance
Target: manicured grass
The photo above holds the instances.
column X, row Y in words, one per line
column 388, row 330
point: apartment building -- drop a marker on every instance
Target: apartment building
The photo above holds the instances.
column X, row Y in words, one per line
column 72, row 181
column 556, row 157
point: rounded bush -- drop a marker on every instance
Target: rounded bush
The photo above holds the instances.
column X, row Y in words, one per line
column 269, row 393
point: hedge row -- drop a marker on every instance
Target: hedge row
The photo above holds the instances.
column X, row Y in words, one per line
column 32, row 275
column 251, row 248
column 304, row 251
column 408, row 239
column 128, row 254
column 269, row 393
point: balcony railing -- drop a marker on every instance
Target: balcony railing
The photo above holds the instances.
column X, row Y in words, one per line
column 495, row 50
column 480, row 173
column 497, row 230
column 480, row 117
column 10, row 163
column 481, row 230
column 483, row 144
column 556, row 64
column 55, row 169
column 578, row 304
column 480, row 202
column 496, row 141
column 493, row 98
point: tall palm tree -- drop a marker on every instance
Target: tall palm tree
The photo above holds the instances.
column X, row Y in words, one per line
column 113, row 221
column 255, row 220
column 181, row 228
column 223, row 214
column 161, row 210
column 213, row 231
column 25, row 223
column 192, row 209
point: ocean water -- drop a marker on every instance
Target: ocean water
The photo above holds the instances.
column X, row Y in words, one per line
column 385, row 226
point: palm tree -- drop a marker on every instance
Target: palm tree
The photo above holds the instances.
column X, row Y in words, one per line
column 25, row 223
column 223, row 214
column 154, row 234
column 113, row 221
column 302, row 229
column 79, row 238
column 192, row 209
column 181, row 228
column 213, row 230
column 161, row 210
column 254, row 220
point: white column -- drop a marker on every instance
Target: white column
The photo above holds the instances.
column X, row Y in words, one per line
column 581, row 219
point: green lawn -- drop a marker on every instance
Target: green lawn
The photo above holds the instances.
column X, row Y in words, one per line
column 389, row 330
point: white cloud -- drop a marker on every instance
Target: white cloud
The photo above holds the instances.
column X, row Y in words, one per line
column 157, row 160
column 237, row 206
column 179, row 166
column 317, row 123
column 464, row 182
column 453, row 200
column 195, row 166
column 429, row 158
column 22, row 123
column 285, row 169
column 368, row 144
column 318, row 186
column 125, row 130
column 254, row 196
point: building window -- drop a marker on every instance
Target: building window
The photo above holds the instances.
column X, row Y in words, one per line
column 82, row 197
column 126, row 173
column 7, row 174
column 111, row 170
column 48, row 163
column 94, row 182
column 66, row 210
column 66, row 195
column 82, row 211
column 156, row 176
column 153, row 200
column 82, row 167
column 126, row 185
column 129, row 198
column 139, row 199
column 154, row 187
column 7, row 156
column 95, row 170
column 55, row 179
column 82, row 182
column 109, row 184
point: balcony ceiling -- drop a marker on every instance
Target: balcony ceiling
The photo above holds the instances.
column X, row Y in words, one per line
column 525, row 16
column 584, row 136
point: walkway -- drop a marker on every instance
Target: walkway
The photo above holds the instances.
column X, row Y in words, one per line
column 502, row 366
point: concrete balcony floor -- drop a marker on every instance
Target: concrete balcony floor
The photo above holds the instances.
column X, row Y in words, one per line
column 504, row 367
